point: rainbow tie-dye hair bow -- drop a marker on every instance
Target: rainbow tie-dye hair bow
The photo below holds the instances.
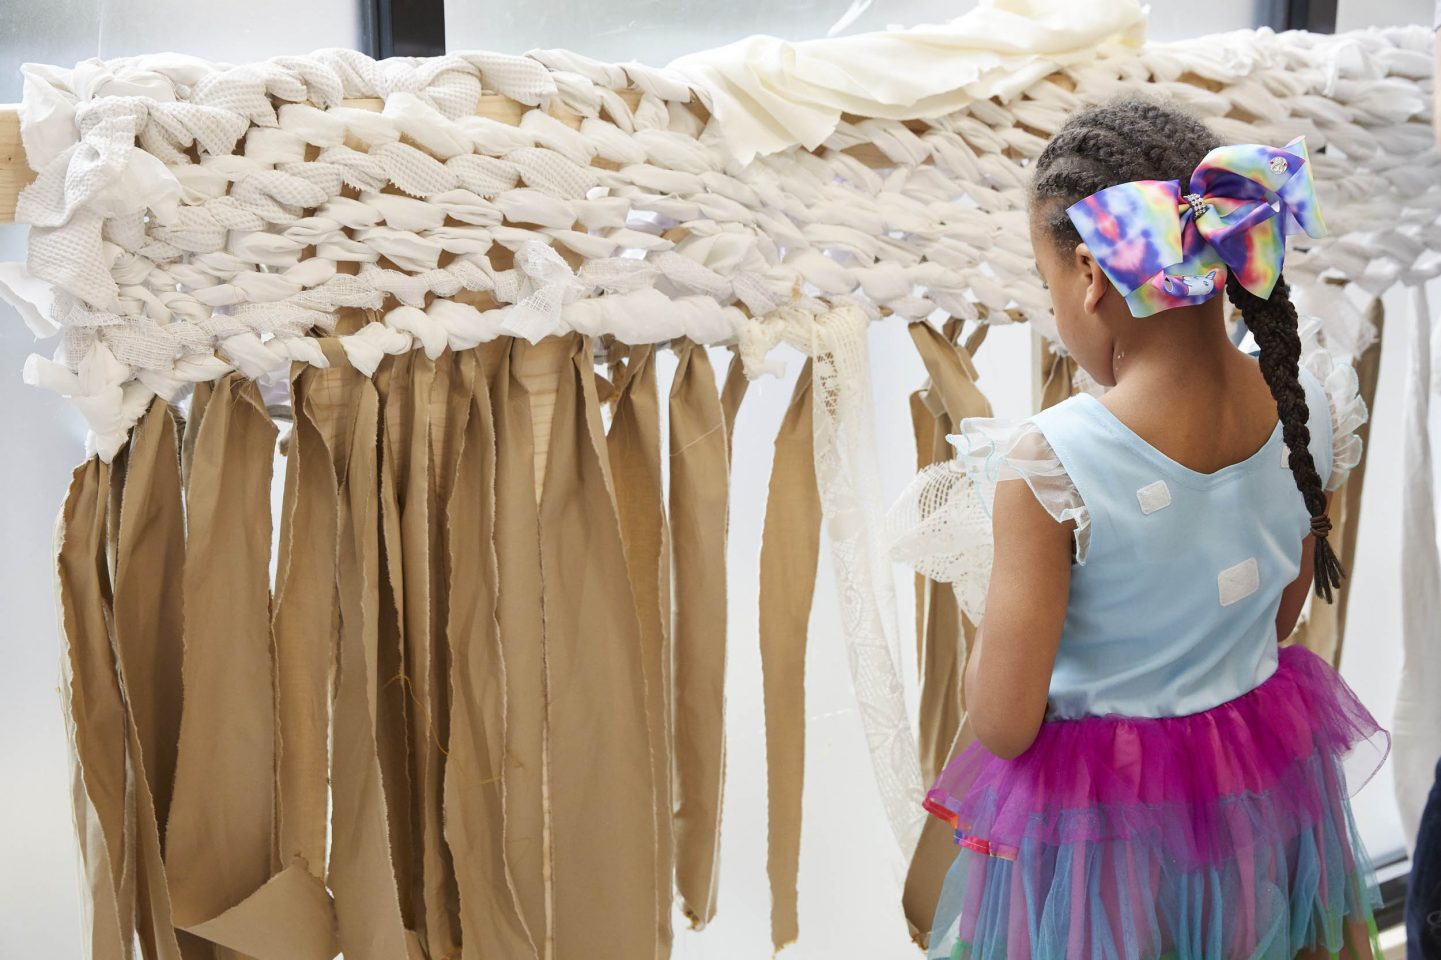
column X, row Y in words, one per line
column 1163, row 248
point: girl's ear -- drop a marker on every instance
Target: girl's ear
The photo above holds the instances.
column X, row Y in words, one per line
column 1096, row 281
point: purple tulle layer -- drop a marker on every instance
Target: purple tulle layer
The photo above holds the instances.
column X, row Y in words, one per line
column 1200, row 790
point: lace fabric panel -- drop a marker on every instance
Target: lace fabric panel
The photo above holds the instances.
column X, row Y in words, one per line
column 848, row 478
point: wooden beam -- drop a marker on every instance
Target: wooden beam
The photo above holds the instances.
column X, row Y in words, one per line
column 15, row 173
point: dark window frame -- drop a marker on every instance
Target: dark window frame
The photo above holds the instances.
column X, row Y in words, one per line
column 403, row 28
column 1317, row 16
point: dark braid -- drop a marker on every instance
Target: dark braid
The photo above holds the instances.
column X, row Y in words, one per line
column 1273, row 323
column 1138, row 139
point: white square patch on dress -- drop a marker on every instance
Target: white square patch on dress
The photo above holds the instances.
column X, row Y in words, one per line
column 1153, row 497
column 1239, row 582
column 1286, row 458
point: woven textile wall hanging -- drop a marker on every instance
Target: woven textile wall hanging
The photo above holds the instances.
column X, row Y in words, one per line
column 473, row 702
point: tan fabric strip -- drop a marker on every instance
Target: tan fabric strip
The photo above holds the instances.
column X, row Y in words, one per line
column 432, row 466
column 699, row 501
column 148, row 625
column 945, row 635
column 634, row 448
column 393, row 696
column 96, row 713
column 733, row 391
column 361, row 874
column 490, row 918
column 149, row 619
column 522, row 643
column 603, row 828
column 790, row 552
column 951, row 396
column 220, row 835
column 304, row 627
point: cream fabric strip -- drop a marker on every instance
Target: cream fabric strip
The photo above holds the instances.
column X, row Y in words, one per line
column 1416, row 727
column 770, row 94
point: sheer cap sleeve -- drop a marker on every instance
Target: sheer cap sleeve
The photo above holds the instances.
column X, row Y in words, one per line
column 941, row 525
column 1343, row 398
column 992, row 451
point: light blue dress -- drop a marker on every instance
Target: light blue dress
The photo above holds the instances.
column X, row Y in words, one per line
column 1174, row 610
column 1186, row 797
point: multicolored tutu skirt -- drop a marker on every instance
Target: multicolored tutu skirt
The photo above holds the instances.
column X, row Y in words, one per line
column 1223, row 835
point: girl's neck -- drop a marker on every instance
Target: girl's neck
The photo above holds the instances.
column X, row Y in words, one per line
column 1179, row 351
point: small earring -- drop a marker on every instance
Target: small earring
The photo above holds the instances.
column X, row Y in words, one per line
column 1120, row 356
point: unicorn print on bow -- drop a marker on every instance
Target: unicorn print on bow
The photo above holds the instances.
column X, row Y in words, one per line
column 1163, row 247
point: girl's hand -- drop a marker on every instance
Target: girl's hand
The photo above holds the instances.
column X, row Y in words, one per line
column 1008, row 675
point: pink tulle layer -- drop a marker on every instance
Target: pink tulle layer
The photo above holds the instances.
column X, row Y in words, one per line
column 1199, row 789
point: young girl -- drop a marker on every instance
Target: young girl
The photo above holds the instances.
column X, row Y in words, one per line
column 1152, row 775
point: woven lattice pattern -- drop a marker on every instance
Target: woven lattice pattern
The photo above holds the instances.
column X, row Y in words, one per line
column 197, row 219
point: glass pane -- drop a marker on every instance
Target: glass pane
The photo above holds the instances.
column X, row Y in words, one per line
column 656, row 33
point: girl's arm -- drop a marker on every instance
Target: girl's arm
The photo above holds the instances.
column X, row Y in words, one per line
column 1009, row 672
column 1294, row 597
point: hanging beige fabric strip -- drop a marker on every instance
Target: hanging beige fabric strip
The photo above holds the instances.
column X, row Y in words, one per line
column 345, row 408
column 448, row 400
column 633, row 444
column 790, row 553
column 394, row 708
column 220, row 836
column 96, row 714
column 733, row 391
column 699, row 500
column 304, row 626
column 952, row 396
column 490, row 917
column 150, row 549
column 149, row 621
column 522, row 642
column 600, row 790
